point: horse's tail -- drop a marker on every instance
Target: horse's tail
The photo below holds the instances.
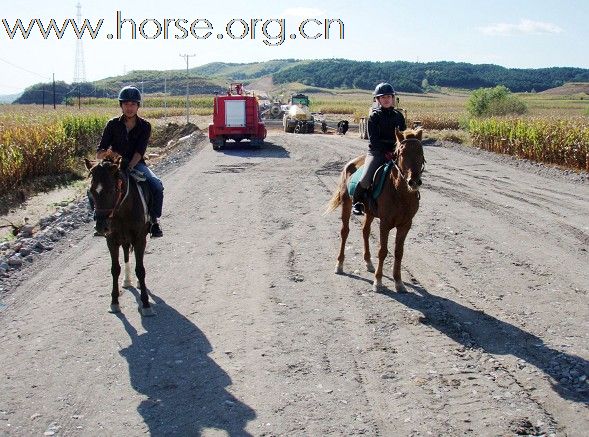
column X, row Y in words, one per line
column 338, row 194
column 341, row 191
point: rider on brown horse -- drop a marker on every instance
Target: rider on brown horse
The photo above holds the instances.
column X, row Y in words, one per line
column 128, row 135
column 381, row 132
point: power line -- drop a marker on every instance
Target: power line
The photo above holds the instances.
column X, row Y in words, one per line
column 24, row 69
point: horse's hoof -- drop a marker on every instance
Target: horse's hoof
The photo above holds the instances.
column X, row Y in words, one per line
column 147, row 312
column 115, row 309
column 339, row 269
column 127, row 284
column 377, row 287
column 400, row 287
column 370, row 267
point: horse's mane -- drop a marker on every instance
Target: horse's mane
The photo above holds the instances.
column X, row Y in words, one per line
column 411, row 133
column 110, row 157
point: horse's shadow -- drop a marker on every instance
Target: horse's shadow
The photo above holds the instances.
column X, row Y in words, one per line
column 495, row 336
column 268, row 150
column 185, row 388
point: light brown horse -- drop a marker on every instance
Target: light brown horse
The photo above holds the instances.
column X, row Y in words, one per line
column 395, row 207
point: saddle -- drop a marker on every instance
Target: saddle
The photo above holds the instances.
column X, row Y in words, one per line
column 378, row 180
column 139, row 179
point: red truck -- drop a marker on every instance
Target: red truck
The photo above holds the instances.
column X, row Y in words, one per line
column 236, row 117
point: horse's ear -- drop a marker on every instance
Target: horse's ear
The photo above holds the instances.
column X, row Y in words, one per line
column 88, row 163
column 399, row 135
column 419, row 134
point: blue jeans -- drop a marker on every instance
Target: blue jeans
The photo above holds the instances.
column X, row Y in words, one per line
column 157, row 190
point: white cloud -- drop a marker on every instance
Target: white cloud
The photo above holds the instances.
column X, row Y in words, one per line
column 303, row 12
column 524, row 27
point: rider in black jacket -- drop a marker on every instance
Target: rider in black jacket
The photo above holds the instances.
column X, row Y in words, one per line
column 381, row 132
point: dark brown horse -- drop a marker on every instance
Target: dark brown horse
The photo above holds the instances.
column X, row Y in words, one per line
column 395, row 207
column 121, row 216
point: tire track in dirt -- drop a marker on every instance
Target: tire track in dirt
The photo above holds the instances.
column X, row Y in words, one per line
column 323, row 375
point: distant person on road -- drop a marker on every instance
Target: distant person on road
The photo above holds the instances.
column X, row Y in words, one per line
column 128, row 135
column 381, row 133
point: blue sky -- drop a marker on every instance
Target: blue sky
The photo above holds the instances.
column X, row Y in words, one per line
column 519, row 34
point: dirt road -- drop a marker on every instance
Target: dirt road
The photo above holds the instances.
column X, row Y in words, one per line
column 255, row 334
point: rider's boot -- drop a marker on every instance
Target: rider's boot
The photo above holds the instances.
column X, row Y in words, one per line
column 359, row 196
column 155, row 230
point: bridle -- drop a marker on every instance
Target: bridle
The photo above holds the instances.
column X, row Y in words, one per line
column 120, row 199
column 396, row 155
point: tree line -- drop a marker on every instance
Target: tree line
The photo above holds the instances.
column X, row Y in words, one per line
column 418, row 77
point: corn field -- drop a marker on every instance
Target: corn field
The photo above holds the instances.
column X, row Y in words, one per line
column 33, row 145
column 549, row 140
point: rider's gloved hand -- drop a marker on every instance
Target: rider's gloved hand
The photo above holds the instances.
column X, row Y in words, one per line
column 124, row 164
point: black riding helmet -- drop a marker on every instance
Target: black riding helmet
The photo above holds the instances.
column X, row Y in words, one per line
column 383, row 89
column 130, row 94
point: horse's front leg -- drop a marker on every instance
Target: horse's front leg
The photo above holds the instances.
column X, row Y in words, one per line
column 115, row 270
column 399, row 245
column 127, row 277
column 366, row 238
column 139, row 248
column 344, row 232
column 382, row 254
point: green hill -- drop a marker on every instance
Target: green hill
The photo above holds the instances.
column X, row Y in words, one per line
column 415, row 77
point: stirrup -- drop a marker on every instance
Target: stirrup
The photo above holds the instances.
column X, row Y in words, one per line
column 137, row 175
column 358, row 208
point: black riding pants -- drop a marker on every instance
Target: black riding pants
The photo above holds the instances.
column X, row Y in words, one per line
column 374, row 159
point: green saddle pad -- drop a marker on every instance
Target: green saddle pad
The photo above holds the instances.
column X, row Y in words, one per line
column 376, row 185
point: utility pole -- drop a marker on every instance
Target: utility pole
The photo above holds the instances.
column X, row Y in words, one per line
column 165, row 97
column 187, row 109
column 53, row 90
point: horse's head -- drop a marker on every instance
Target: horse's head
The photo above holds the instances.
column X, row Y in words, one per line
column 106, row 190
column 409, row 157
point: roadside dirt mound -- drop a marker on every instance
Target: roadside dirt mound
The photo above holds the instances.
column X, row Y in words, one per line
column 162, row 136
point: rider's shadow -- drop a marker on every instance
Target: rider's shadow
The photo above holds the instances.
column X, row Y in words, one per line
column 186, row 390
column 498, row 337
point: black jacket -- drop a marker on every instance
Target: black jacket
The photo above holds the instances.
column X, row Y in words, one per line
column 126, row 144
column 381, row 128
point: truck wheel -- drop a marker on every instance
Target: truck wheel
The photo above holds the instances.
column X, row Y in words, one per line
column 275, row 111
column 217, row 144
